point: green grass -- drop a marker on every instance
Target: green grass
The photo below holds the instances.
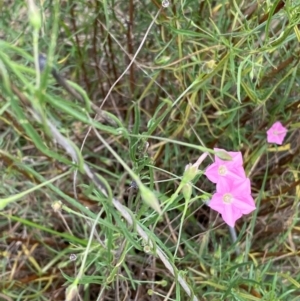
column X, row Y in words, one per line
column 91, row 167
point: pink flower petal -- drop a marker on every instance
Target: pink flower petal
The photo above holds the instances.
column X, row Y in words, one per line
column 212, row 173
column 276, row 133
column 232, row 199
column 240, row 189
column 216, row 203
column 245, row 205
column 231, row 215
column 236, row 186
column 236, row 157
column 224, row 186
column 230, row 169
column 236, row 173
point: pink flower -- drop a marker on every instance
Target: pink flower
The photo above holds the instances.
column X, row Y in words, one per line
column 276, row 133
column 232, row 199
column 226, row 169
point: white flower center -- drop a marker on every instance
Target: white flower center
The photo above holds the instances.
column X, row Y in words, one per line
column 222, row 170
column 227, row 198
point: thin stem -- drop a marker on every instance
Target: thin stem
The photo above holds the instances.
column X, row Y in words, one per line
column 234, row 239
column 36, row 57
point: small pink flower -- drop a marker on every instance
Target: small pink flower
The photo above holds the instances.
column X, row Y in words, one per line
column 276, row 133
column 226, row 169
column 232, row 199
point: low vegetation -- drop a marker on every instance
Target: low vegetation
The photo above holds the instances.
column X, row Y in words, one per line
column 111, row 113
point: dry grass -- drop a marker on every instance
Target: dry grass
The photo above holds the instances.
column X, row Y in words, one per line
column 207, row 74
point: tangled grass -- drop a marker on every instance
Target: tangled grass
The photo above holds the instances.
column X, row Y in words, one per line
column 95, row 136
